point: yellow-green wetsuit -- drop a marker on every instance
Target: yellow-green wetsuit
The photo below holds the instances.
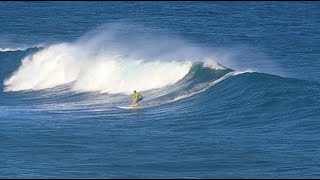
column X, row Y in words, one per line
column 137, row 96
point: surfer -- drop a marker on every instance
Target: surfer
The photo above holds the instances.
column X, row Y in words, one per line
column 136, row 98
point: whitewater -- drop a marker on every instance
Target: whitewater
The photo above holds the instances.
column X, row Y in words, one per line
column 100, row 61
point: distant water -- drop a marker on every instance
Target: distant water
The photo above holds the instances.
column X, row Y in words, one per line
column 231, row 89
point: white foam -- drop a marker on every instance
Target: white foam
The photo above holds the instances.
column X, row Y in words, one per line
column 50, row 67
column 64, row 63
column 210, row 63
column 113, row 60
column 11, row 49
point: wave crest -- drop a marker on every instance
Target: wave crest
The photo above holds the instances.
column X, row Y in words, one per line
column 65, row 63
column 111, row 61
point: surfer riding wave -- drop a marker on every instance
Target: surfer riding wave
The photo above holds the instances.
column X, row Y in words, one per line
column 136, row 98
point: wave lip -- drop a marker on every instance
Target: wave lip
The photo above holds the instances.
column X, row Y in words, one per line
column 44, row 69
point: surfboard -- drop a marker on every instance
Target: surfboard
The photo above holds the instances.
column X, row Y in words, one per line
column 128, row 107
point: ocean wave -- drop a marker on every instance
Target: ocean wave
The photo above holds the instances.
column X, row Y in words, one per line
column 108, row 62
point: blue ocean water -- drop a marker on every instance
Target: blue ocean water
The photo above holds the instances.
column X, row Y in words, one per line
column 231, row 89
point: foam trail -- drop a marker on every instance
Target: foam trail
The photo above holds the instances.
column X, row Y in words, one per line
column 205, row 86
column 209, row 85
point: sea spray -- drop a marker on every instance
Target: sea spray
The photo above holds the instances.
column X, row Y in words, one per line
column 109, row 60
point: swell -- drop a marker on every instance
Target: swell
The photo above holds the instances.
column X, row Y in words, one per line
column 258, row 101
column 224, row 95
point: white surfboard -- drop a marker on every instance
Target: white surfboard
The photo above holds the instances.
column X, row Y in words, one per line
column 128, row 107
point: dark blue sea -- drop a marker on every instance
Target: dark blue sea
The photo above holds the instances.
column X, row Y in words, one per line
column 231, row 89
